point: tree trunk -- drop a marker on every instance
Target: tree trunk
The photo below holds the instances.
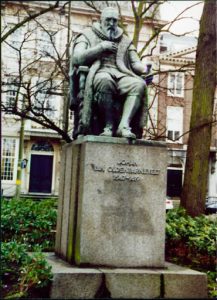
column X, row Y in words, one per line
column 197, row 162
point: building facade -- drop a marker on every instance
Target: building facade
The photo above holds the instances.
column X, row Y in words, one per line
column 174, row 112
column 34, row 75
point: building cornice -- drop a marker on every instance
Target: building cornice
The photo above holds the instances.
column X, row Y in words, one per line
column 177, row 61
column 42, row 133
column 177, row 57
column 81, row 11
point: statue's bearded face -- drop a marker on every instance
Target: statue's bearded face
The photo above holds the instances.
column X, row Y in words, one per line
column 109, row 24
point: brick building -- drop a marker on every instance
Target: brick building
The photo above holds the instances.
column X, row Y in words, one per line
column 174, row 112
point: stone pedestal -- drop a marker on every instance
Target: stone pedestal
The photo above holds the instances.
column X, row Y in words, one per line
column 171, row 282
column 111, row 225
column 112, row 203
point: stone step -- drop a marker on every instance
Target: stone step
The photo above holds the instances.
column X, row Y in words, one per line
column 171, row 282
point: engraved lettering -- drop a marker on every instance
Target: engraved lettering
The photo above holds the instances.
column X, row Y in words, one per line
column 127, row 169
column 125, row 177
column 97, row 168
column 127, row 163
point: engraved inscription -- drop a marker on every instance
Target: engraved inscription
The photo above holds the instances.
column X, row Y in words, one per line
column 127, row 163
column 141, row 171
column 97, row 168
column 125, row 170
column 125, row 177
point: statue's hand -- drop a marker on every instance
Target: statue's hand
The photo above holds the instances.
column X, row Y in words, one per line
column 109, row 46
column 147, row 75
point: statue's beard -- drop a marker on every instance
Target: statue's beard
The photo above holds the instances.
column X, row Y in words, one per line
column 110, row 33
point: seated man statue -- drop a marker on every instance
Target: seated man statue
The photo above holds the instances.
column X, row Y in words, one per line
column 114, row 101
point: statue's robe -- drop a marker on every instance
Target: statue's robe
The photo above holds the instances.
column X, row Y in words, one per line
column 92, row 37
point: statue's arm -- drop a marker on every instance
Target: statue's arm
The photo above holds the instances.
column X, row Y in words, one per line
column 137, row 66
column 84, row 55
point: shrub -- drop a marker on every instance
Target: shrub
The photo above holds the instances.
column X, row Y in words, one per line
column 29, row 222
column 192, row 242
column 26, row 225
column 21, row 272
column 198, row 232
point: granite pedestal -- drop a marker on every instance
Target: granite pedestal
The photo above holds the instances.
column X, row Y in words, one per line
column 111, row 224
column 171, row 282
column 112, row 204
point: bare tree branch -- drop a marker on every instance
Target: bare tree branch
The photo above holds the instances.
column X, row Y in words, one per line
column 92, row 5
column 28, row 19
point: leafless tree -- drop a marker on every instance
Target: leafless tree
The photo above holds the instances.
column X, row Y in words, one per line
column 57, row 64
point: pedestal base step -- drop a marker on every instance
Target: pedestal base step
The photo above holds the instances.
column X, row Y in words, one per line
column 71, row 282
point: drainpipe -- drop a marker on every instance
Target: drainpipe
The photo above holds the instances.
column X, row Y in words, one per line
column 20, row 157
column 66, row 84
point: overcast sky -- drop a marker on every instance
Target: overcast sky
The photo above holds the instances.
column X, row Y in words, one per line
column 171, row 9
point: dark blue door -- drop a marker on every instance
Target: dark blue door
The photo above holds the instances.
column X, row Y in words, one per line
column 41, row 173
column 174, row 183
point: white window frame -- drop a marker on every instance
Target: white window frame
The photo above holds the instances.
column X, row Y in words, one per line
column 71, row 115
column 46, row 101
column 13, row 159
column 10, row 94
column 174, row 124
column 16, row 36
column 44, row 43
column 172, row 85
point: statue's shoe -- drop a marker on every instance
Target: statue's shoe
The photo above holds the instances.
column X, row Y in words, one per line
column 107, row 132
column 125, row 132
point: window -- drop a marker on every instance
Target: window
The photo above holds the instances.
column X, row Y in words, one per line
column 176, row 84
column 11, row 89
column 45, row 104
column 173, row 135
column 44, row 100
column 174, row 123
column 17, row 36
column 8, row 159
column 42, row 146
column 46, row 42
column 71, row 115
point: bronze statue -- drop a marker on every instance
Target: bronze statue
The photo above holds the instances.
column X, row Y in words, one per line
column 107, row 91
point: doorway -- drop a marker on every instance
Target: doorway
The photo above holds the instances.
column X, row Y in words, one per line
column 41, row 170
column 174, row 182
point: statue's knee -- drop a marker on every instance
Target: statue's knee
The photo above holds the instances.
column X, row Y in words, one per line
column 106, row 85
column 103, row 83
column 140, row 87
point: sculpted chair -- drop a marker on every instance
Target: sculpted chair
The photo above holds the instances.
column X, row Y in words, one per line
column 78, row 80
